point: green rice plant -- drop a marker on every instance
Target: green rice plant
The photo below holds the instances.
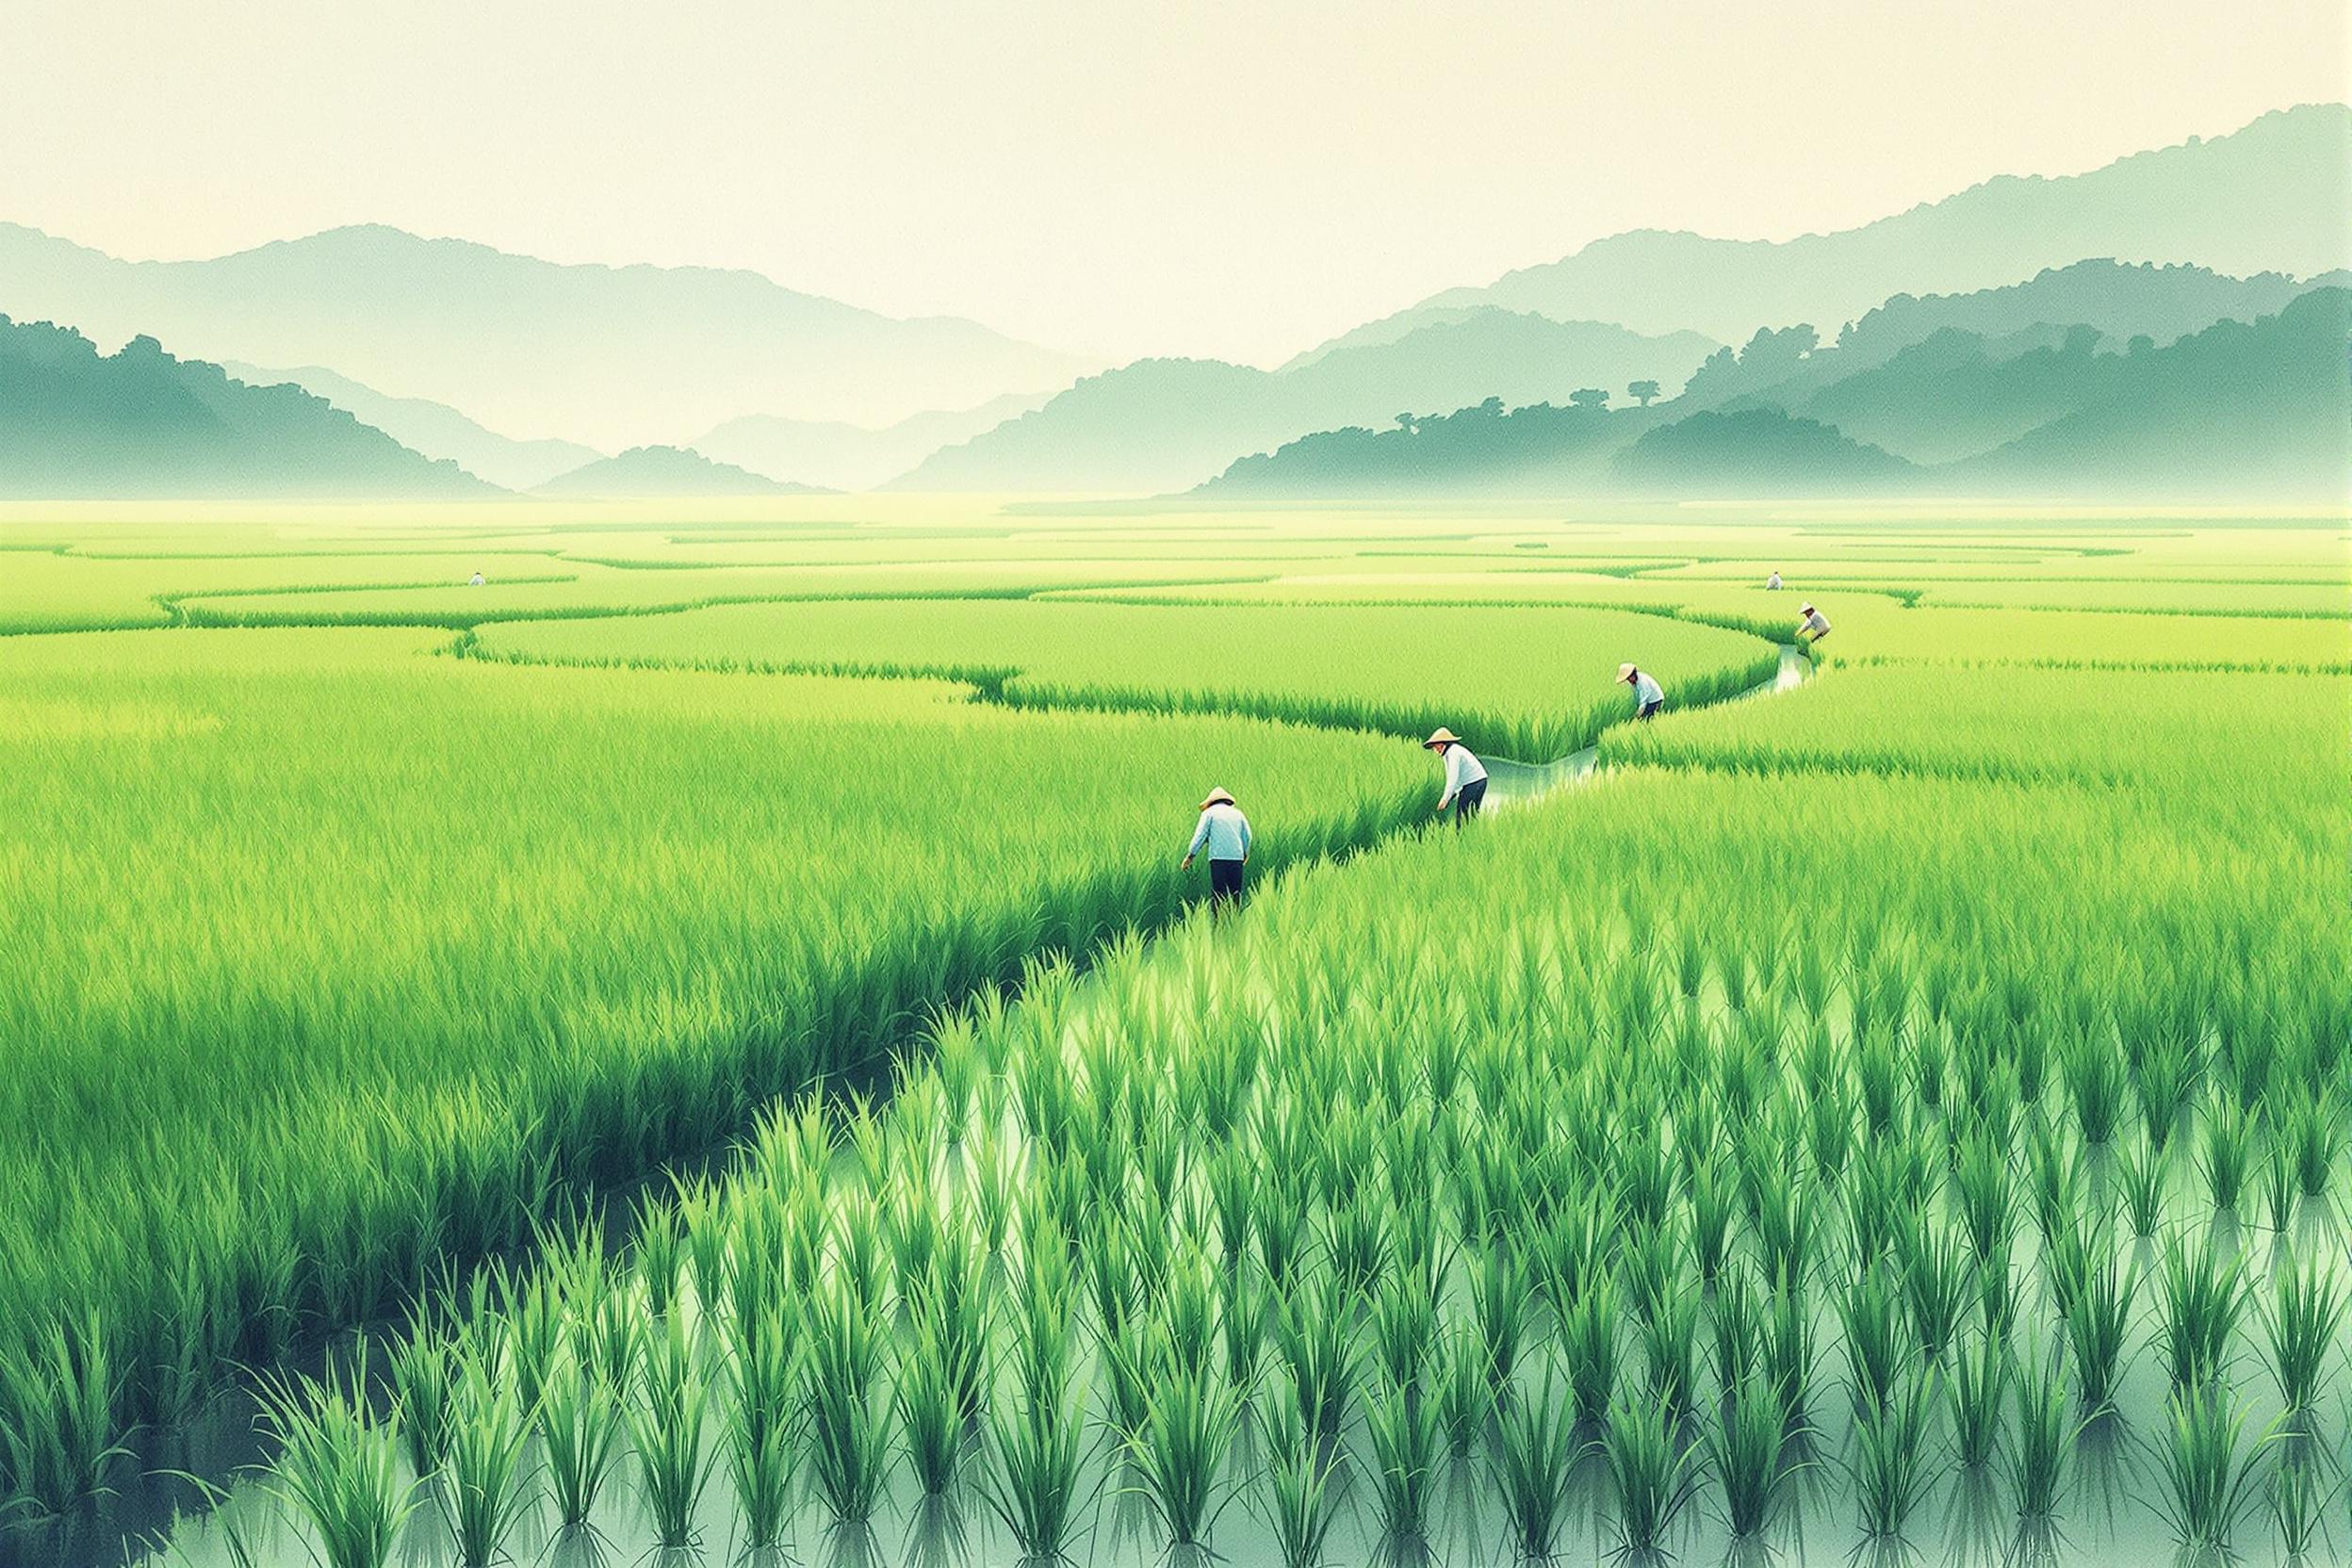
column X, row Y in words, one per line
column 2043, row 1438
column 485, row 1496
column 1736, row 1318
column 1746, row 1444
column 1651, row 1473
column 1938, row 1278
column 338, row 1470
column 2280, row 1188
column 1828, row 1129
column 63, row 1388
column 580, row 1435
column 1465, row 1396
column 1979, row 1395
column 2302, row 1318
column 1180, row 1450
column 2200, row 1297
column 2207, row 1472
column 1534, row 1449
column 1241, row 1323
column 2165, row 1071
column 1588, row 1347
column 2297, row 1502
column 1714, row 1204
column 1996, row 1299
column 1407, row 1438
column 1499, row 1296
column 1983, row 1193
column 1878, row 1349
column 2098, row 1080
column 1032, row 1486
column 665, row 1428
column 1311, row 1335
column 1890, row 1472
column 1297, row 1480
column 1790, row 1354
column 1788, row 1219
column 2055, row 1182
column 846, row 1390
column 1404, row 1328
column 2143, row 1173
column 2097, row 1331
column 422, row 1386
column 2226, row 1151
column 2315, row 1130
column 928, row 1402
column 1669, row 1349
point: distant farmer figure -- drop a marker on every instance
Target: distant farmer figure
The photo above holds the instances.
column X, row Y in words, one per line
column 1226, row 833
column 1648, row 695
column 1815, row 625
column 1466, row 775
column 474, row 582
column 1773, row 581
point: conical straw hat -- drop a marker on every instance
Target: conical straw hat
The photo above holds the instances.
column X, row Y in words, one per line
column 1216, row 797
column 1441, row 736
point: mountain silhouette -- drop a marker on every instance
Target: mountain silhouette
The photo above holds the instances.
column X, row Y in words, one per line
column 853, row 457
column 139, row 422
column 1162, row 424
column 647, row 471
column 603, row 355
column 2270, row 197
column 433, row 429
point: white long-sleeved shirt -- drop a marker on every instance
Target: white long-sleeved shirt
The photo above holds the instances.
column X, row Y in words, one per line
column 1225, row 831
column 1646, row 691
column 1817, row 622
column 1460, row 769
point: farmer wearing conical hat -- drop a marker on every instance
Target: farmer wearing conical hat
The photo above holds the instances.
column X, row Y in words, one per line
column 1466, row 775
column 1648, row 695
column 1815, row 626
column 1225, row 832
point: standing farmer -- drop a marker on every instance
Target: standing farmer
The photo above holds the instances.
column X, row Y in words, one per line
column 1772, row 582
column 1466, row 775
column 1226, row 833
column 1648, row 695
column 1815, row 626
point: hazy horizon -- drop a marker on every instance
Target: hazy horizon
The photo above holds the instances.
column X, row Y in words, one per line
column 1237, row 182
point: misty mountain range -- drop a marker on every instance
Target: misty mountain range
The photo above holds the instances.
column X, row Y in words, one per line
column 1934, row 338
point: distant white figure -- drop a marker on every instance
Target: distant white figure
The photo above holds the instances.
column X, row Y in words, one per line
column 1815, row 626
column 1225, row 832
column 1466, row 775
column 1648, row 695
column 474, row 582
column 1772, row 582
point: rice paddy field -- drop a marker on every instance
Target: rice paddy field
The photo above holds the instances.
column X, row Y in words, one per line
column 700, row 1050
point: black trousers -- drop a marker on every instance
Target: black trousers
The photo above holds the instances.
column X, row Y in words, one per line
column 1225, row 880
column 1649, row 709
column 1466, row 801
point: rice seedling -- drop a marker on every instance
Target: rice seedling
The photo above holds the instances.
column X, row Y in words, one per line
column 1984, row 1194
column 423, row 1387
column 1669, row 1349
column 1534, row 1448
column 1312, row 1337
column 2302, row 1318
column 845, row 1390
column 1498, row 1305
column 1980, row 1394
column 928, row 1402
column 1181, row 1449
column 2280, row 1189
column 2097, row 1082
column 1297, row 1483
column 1938, row 1280
column 1890, row 1472
column 1651, row 1473
column 1465, row 1396
column 1878, row 1349
column 665, row 1428
column 1737, row 1318
column 1032, row 1486
column 2098, row 1328
column 1587, row 1347
column 2043, row 1437
column 2297, row 1503
column 2142, row 1175
column 1745, row 1445
column 1407, row 1437
column 579, row 1434
column 1789, row 1355
column 2207, row 1472
column 338, row 1469
column 2200, row 1297
column 63, row 1388
column 2315, row 1132
column 485, row 1496
column 2226, row 1151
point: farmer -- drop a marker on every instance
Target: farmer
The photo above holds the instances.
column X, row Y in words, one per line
column 474, row 582
column 1772, row 582
column 1815, row 625
column 1226, row 833
column 1648, row 695
column 1466, row 775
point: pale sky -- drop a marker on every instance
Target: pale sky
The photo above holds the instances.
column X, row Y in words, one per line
column 1237, row 179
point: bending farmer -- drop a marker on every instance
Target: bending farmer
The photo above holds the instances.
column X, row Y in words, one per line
column 1226, row 833
column 1466, row 775
column 1648, row 695
column 1815, row 626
